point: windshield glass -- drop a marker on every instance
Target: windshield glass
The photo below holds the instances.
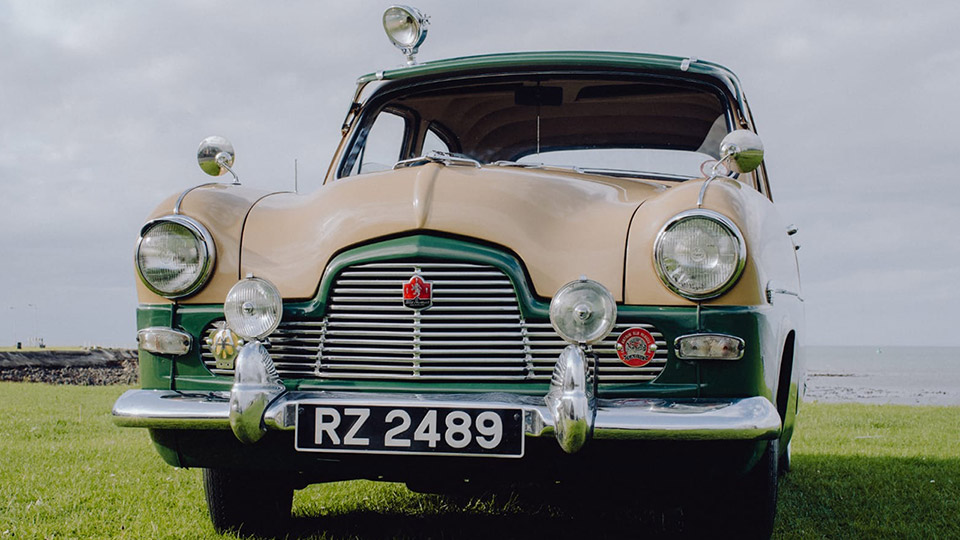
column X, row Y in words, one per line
column 652, row 127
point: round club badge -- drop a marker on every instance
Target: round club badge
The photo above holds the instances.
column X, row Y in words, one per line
column 636, row 347
column 224, row 343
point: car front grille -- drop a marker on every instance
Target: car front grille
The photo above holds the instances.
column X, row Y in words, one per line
column 474, row 332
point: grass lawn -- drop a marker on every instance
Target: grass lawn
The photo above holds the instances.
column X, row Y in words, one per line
column 860, row 471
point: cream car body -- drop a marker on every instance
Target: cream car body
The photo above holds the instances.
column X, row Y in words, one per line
column 719, row 371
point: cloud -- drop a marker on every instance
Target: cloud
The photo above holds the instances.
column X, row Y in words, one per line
column 103, row 105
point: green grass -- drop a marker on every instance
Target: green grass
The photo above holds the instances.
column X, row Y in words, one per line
column 871, row 471
column 66, row 471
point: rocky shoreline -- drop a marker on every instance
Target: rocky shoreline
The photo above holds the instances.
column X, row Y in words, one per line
column 88, row 367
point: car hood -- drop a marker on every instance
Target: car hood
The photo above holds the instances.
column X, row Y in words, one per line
column 560, row 225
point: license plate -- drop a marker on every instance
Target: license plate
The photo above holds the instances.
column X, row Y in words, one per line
column 432, row 430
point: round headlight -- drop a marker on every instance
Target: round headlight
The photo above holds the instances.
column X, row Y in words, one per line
column 253, row 308
column 174, row 256
column 699, row 254
column 583, row 311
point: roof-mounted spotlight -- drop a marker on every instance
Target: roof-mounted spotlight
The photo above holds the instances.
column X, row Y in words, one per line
column 407, row 28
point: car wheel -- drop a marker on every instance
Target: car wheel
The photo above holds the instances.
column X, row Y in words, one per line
column 247, row 501
column 755, row 506
column 745, row 508
column 786, row 460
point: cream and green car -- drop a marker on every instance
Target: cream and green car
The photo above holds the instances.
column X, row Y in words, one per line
column 561, row 270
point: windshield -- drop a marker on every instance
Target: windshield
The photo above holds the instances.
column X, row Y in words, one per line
column 651, row 127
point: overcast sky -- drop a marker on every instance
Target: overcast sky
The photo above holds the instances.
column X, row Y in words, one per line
column 103, row 104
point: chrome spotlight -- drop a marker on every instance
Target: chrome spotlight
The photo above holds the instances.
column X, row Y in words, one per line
column 583, row 312
column 407, row 28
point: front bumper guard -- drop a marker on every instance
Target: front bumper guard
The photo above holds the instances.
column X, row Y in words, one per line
column 570, row 411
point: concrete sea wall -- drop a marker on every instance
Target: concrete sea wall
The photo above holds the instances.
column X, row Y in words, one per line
column 93, row 366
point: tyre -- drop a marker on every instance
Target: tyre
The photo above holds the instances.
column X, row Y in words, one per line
column 755, row 507
column 744, row 508
column 247, row 501
column 786, row 460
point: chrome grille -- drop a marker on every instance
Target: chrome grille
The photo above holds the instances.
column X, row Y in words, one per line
column 474, row 332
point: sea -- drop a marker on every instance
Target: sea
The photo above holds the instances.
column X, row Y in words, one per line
column 901, row 375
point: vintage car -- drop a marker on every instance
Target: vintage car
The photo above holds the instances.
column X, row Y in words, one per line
column 555, row 270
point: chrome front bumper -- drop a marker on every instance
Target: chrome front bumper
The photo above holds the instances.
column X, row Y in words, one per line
column 653, row 419
column 570, row 411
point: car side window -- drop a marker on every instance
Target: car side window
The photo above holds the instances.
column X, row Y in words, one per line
column 383, row 144
column 433, row 142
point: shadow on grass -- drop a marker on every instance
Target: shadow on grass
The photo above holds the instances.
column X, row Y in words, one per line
column 534, row 524
column 823, row 496
column 870, row 497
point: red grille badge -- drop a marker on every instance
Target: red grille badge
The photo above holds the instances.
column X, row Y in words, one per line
column 417, row 293
column 636, row 347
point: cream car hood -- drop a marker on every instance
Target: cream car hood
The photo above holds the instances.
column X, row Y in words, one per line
column 560, row 225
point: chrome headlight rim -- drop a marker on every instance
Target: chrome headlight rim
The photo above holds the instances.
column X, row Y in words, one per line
column 206, row 242
column 724, row 222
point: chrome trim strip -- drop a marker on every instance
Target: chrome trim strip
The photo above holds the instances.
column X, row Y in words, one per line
column 419, row 264
column 176, row 207
column 531, row 346
column 441, row 300
column 753, row 418
column 399, row 282
column 634, row 175
column 401, row 308
column 771, row 290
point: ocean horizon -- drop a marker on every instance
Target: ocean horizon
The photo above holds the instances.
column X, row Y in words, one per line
column 908, row 375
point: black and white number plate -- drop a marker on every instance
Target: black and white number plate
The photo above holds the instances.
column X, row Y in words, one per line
column 433, row 430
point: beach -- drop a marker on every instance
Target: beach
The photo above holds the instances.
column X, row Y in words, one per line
column 900, row 375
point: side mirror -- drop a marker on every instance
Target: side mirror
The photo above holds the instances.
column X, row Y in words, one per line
column 741, row 151
column 216, row 156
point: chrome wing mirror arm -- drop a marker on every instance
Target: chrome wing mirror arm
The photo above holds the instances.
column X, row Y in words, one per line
column 714, row 173
column 741, row 151
column 224, row 161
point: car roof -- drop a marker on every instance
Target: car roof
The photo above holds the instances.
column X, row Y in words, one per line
column 563, row 59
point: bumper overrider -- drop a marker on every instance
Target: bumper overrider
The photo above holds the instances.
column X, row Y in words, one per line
column 570, row 411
